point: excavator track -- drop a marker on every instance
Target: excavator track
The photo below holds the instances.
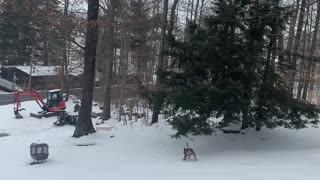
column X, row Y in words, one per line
column 44, row 114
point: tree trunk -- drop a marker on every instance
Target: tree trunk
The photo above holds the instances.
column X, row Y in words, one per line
column 158, row 99
column 84, row 125
column 286, row 58
column 196, row 12
column 124, row 69
column 64, row 68
column 172, row 16
column 154, row 48
column 66, row 64
column 124, row 56
column 201, row 10
column 292, row 28
column 245, row 118
column 296, row 47
column 303, row 62
column 65, row 78
column 311, row 54
column 280, row 48
column 170, row 28
column 301, row 76
column 192, row 6
column 187, row 17
column 106, row 114
column 312, row 80
column 46, row 48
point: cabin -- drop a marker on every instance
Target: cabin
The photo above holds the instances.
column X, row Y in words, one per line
column 42, row 77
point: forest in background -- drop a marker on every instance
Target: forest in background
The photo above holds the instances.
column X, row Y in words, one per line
column 250, row 62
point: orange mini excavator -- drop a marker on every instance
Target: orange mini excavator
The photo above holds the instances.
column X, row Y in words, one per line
column 52, row 107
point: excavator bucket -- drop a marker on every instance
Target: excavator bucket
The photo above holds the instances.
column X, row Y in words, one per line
column 17, row 114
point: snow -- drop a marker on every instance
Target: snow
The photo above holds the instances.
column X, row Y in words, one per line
column 39, row 70
column 140, row 152
column 49, row 70
column 54, row 90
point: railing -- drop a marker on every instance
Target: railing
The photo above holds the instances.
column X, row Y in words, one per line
column 9, row 85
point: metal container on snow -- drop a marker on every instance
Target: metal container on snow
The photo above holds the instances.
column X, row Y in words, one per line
column 39, row 152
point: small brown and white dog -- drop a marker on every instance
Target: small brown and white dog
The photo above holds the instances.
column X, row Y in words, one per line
column 188, row 152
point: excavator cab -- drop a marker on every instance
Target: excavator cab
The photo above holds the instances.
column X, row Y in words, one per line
column 54, row 98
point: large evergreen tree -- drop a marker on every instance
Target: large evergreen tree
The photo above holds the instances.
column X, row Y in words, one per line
column 48, row 40
column 27, row 25
column 227, row 69
column 15, row 32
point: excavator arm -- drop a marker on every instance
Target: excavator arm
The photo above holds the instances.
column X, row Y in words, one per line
column 17, row 102
column 33, row 94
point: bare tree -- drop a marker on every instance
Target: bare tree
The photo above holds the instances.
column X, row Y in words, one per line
column 84, row 125
column 65, row 78
column 297, row 46
column 293, row 21
column 106, row 53
column 158, row 101
column 172, row 17
column 201, row 10
column 196, row 11
column 301, row 71
column 124, row 56
column 311, row 53
column 192, row 9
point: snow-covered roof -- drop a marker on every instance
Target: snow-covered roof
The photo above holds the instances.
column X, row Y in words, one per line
column 54, row 90
column 40, row 70
column 46, row 70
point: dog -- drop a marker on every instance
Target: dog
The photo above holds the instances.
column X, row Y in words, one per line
column 188, row 152
column 64, row 118
column 76, row 107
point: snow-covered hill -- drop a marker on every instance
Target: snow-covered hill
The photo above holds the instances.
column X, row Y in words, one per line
column 148, row 153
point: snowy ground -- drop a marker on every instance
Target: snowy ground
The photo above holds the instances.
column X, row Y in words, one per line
column 140, row 152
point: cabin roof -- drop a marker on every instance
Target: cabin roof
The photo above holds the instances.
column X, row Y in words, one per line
column 43, row 70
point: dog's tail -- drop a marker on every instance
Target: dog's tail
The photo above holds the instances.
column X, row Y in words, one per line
column 187, row 146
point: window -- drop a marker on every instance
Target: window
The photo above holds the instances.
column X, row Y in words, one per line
column 54, row 96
